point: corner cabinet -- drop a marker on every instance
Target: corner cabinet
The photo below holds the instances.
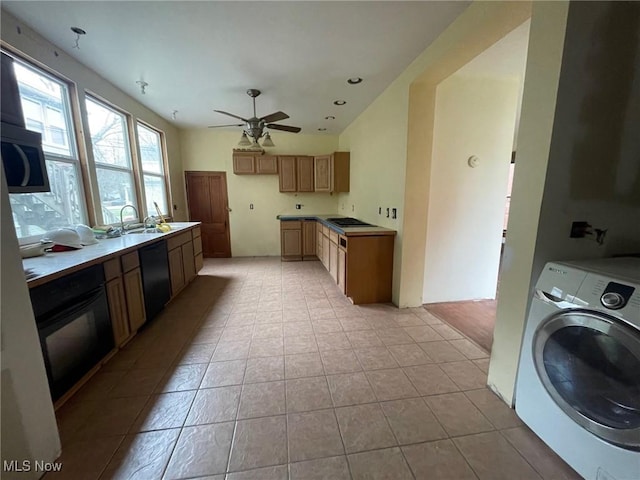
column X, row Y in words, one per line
column 296, row 173
column 331, row 172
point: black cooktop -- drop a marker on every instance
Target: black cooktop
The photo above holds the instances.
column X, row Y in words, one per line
column 348, row 222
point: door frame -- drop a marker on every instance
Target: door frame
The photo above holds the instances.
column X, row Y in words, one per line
column 227, row 209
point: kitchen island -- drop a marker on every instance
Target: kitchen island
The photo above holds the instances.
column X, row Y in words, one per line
column 357, row 255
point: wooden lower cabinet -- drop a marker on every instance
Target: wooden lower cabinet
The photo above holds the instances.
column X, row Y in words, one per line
column 309, row 240
column 291, row 240
column 333, row 260
column 185, row 259
column 135, row 298
column 325, row 251
column 176, row 272
column 342, row 270
column 118, row 310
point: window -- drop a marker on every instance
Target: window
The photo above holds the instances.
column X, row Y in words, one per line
column 112, row 156
column 46, row 107
column 153, row 178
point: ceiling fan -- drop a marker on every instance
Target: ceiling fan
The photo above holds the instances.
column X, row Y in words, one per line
column 254, row 127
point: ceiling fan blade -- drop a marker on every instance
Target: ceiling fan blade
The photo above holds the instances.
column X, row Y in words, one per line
column 231, row 115
column 275, row 117
column 284, row 128
column 229, row 125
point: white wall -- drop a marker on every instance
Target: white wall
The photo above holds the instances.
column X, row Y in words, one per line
column 28, row 42
column 29, row 430
column 474, row 116
column 257, row 232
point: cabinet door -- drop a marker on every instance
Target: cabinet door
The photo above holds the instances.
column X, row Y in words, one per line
column 342, row 270
column 244, row 164
column 176, row 270
column 188, row 262
column 266, row 164
column 291, row 244
column 305, row 174
column 319, row 241
column 309, row 238
column 322, row 171
column 333, row 261
column 199, row 261
column 118, row 310
column 325, row 251
column 135, row 298
column 287, row 174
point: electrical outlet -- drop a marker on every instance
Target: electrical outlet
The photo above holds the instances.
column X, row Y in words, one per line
column 251, row 206
column 379, row 210
column 353, row 208
column 298, row 206
column 394, row 213
column 387, row 212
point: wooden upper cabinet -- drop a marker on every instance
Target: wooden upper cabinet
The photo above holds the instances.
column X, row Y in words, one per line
column 244, row 164
column 305, row 174
column 266, row 164
column 254, row 163
column 288, row 173
column 332, row 172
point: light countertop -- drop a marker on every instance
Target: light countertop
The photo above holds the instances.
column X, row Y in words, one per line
column 53, row 265
column 348, row 231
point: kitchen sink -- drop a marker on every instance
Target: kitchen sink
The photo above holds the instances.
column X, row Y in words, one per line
column 348, row 222
column 143, row 230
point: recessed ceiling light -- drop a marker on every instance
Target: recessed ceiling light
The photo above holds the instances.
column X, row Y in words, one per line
column 340, row 102
column 354, row 80
column 330, row 117
column 322, row 129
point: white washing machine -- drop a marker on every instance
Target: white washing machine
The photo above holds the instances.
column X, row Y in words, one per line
column 578, row 385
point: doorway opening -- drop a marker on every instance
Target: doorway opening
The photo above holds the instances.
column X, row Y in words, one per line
column 474, row 146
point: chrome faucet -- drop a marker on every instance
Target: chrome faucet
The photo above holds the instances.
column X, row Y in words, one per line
column 122, row 210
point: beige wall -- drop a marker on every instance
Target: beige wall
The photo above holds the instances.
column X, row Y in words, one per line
column 37, row 48
column 391, row 142
column 474, row 116
column 29, row 430
column 257, row 232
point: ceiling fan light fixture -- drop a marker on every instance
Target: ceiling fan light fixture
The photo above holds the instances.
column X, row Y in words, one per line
column 267, row 142
column 244, row 141
column 340, row 102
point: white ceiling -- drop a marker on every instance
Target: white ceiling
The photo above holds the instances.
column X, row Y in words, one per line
column 198, row 56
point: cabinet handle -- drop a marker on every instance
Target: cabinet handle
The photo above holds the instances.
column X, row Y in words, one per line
column 27, row 166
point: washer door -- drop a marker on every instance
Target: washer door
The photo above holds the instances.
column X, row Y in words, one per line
column 589, row 363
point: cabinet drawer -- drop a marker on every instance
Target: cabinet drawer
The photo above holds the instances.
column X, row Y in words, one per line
column 333, row 236
column 177, row 240
column 196, row 232
column 112, row 269
column 291, row 225
column 130, row 261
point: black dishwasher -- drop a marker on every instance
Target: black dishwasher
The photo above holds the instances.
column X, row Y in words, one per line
column 154, row 264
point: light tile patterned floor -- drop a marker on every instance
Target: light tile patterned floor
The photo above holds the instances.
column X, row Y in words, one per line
column 263, row 370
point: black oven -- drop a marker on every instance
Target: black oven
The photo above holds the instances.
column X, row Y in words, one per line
column 72, row 315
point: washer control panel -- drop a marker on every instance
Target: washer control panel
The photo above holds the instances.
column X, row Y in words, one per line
column 616, row 295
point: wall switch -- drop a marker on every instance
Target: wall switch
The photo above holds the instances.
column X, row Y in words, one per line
column 251, row 206
column 387, row 212
column 394, row 213
column 298, row 206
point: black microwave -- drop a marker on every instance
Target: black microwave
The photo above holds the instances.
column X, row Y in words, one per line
column 23, row 160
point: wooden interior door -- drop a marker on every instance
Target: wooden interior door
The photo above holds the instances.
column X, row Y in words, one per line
column 208, row 203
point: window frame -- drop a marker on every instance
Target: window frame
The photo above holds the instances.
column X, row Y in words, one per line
column 73, row 138
column 130, row 149
column 164, row 163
